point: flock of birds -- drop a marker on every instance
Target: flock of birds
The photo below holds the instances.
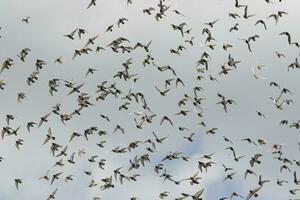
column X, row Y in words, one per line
column 135, row 104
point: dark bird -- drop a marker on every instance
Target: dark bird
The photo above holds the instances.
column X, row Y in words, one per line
column 92, row 3
column 71, row 35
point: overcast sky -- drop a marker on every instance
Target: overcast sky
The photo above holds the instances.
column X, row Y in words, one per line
column 50, row 20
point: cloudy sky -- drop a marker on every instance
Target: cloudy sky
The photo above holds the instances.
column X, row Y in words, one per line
column 44, row 35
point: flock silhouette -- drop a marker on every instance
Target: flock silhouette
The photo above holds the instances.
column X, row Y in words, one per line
column 136, row 105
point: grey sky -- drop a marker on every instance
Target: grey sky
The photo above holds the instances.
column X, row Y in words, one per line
column 50, row 20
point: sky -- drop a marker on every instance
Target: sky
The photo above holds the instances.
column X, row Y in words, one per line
column 44, row 35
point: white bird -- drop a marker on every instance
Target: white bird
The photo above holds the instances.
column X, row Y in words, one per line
column 256, row 76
